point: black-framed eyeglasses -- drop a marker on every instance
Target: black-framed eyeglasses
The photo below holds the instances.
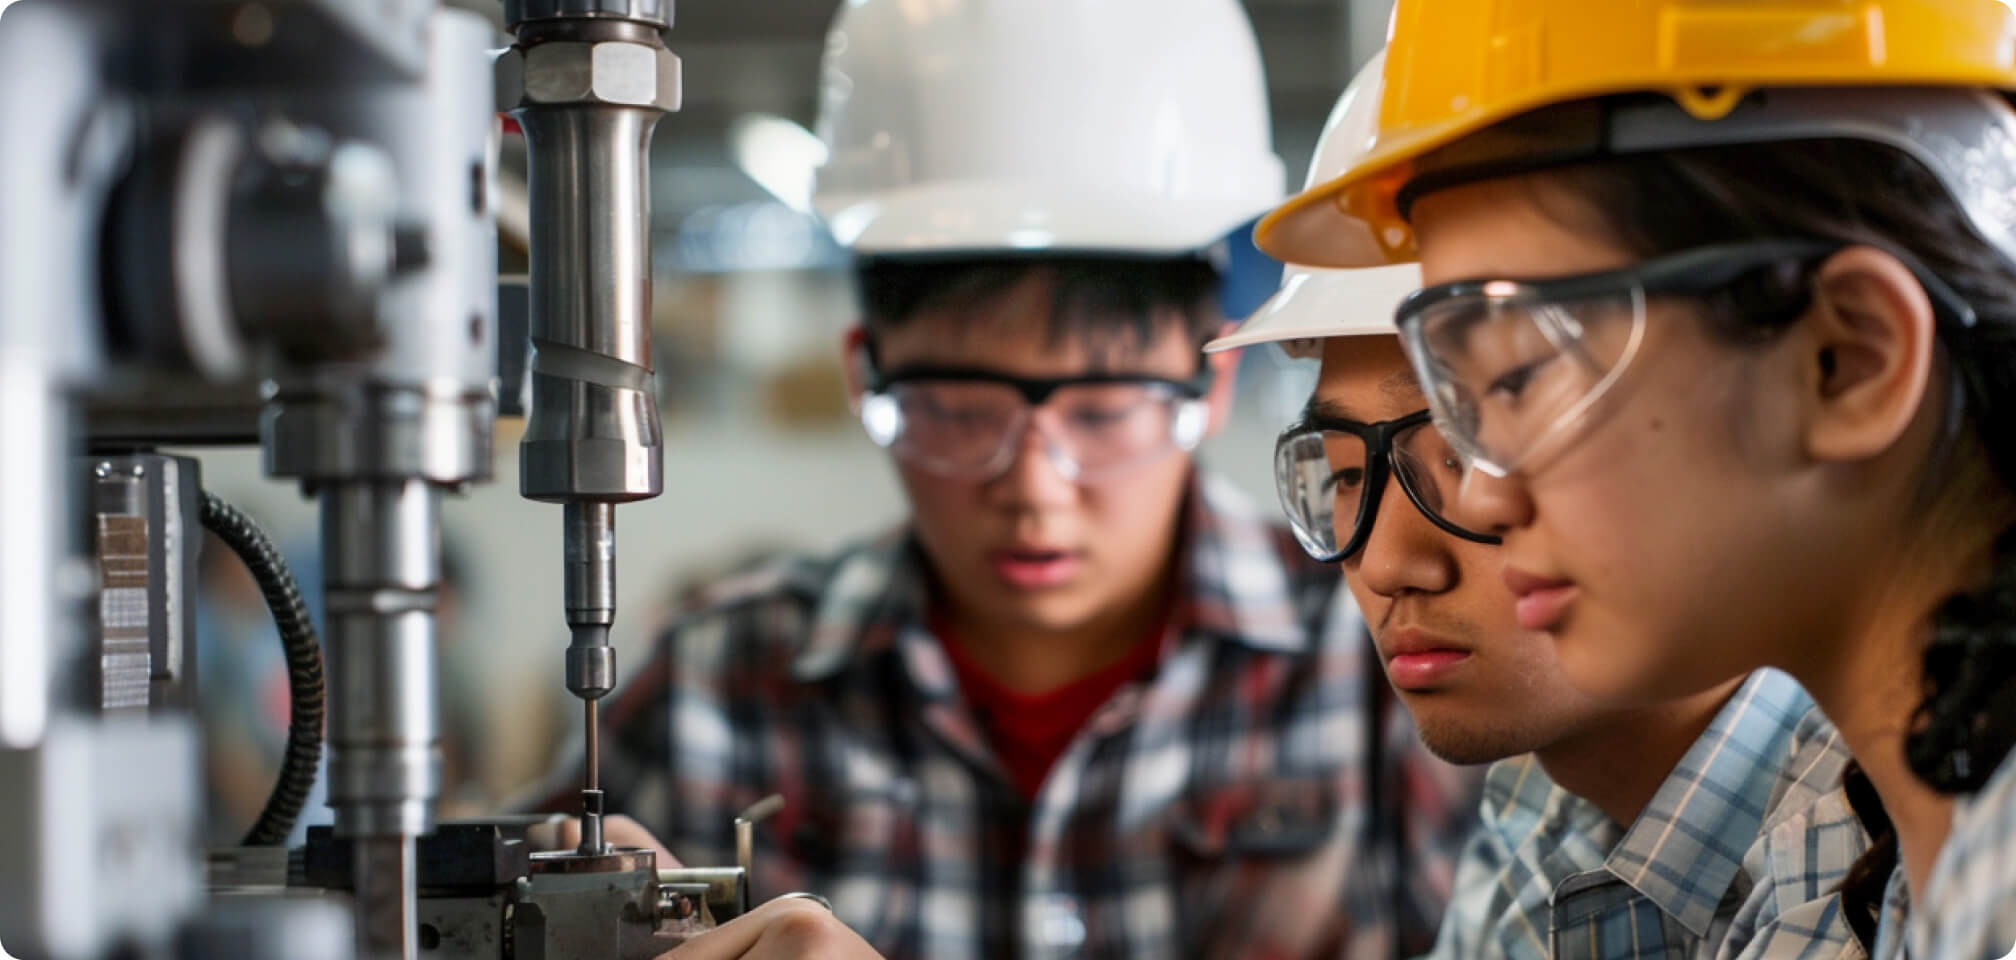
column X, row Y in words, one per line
column 969, row 421
column 1512, row 368
column 1331, row 474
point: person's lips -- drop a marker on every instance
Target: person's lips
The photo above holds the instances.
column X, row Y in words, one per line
column 1417, row 659
column 1035, row 567
column 1539, row 602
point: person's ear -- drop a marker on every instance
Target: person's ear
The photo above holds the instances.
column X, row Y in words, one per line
column 854, row 360
column 1870, row 338
column 1224, row 383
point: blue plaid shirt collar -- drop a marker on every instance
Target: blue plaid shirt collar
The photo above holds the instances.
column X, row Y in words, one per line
column 1554, row 832
column 1234, row 590
column 1687, row 846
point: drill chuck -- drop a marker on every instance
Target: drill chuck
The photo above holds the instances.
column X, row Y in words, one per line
column 591, row 665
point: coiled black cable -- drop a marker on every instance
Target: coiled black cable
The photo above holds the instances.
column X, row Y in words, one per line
column 304, row 667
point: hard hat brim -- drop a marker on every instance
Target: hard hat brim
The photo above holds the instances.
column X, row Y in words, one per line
column 1319, row 304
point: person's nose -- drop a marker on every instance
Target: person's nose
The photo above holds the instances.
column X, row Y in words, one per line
column 1040, row 473
column 1404, row 552
column 1493, row 505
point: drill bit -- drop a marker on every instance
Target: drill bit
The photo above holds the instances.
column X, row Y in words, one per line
column 591, row 788
column 590, row 541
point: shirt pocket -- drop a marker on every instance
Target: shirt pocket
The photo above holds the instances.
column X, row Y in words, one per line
column 1272, row 818
column 1259, row 868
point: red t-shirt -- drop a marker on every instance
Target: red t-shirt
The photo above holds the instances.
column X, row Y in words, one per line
column 1029, row 731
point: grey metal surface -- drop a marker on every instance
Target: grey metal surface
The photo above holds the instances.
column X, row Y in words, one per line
column 588, row 542
column 589, row 906
column 723, row 892
column 33, row 625
column 119, row 541
column 603, row 907
column 383, row 437
column 175, row 496
column 102, row 817
column 311, row 241
column 588, row 111
column 381, row 564
column 589, row 532
column 593, row 432
column 386, row 897
column 421, row 404
column 250, row 869
column 87, row 860
column 171, row 279
column 745, row 829
column 465, row 928
column 181, row 409
column 144, row 538
column 514, row 345
column 309, row 197
column 657, row 12
column 48, row 336
column 259, row 928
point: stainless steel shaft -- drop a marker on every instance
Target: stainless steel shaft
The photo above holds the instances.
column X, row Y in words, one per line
column 593, row 433
column 591, row 786
column 386, row 872
column 588, row 542
column 382, row 565
column 587, row 82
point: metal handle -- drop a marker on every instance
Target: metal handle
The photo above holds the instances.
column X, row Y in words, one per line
column 745, row 827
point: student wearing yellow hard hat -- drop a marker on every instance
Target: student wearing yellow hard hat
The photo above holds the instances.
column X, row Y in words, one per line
column 1721, row 313
column 1707, row 824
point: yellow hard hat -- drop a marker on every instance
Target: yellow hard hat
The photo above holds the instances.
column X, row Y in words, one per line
column 1458, row 67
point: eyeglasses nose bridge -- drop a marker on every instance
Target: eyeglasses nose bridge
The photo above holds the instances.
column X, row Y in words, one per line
column 1015, row 445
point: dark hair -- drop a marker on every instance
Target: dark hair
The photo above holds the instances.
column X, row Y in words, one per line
column 1859, row 192
column 1102, row 300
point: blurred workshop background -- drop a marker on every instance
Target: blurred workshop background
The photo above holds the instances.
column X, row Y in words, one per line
column 761, row 453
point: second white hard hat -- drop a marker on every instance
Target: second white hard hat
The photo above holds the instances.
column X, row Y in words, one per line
column 1316, row 303
column 976, row 126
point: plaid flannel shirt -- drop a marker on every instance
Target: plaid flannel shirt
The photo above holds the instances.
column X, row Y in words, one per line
column 1738, row 854
column 1969, row 911
column 1226, row 806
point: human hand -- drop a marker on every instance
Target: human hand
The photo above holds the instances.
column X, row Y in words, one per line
column 787, row 928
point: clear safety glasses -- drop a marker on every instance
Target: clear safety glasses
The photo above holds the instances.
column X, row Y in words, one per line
column 1513, row 367
column 961, row 422
column 1331, row 475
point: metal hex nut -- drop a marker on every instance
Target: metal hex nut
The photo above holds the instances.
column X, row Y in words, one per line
column 611, row 72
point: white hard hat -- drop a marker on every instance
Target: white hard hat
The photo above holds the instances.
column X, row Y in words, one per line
column 1092, row 126
column 1315, row 303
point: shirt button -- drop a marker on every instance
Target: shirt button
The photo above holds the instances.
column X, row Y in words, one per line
column 1060, row 924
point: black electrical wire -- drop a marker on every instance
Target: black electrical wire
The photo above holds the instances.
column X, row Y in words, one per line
column 304, row 667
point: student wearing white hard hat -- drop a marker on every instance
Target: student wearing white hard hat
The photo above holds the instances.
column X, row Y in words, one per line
column 1709, row 824
column 1086, row 701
